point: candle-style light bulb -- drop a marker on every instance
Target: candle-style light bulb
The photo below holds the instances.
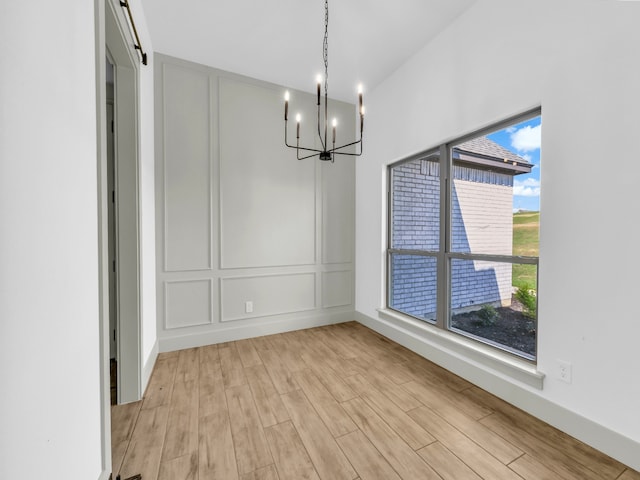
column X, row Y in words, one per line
column 319, row 82
column 361, row 120
column 335, row 124
column 286, row 105
column 298, row 118
column 360, row 98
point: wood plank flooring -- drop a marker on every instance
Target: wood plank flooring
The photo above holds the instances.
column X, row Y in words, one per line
column 332, row 403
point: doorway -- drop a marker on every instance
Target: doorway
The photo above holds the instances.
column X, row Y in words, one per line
column 112, row 236
column 113, row 41
column 122, row 198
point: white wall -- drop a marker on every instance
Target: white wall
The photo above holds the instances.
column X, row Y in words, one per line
column 580, row 60
column 49, row 309
column 239, row 219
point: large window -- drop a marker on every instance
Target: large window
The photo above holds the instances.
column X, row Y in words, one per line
column 463, row 235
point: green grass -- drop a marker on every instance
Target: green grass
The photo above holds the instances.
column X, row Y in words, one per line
column 525, row 242
column 526, row 217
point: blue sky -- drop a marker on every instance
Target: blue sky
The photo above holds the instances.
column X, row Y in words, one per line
column 523, row 139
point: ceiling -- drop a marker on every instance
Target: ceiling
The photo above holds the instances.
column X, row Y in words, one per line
column 280, row 41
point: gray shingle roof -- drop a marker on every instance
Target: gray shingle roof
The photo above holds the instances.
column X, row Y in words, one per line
column 489, row 148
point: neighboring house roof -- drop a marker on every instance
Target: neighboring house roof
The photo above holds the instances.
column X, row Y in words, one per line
column 486, row 153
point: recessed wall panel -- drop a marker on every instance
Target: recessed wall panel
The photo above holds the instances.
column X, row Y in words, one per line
column 187, row 169
column 268, row 206
column 187, row 303
column 248, row 297
column 337, row 289
column 338, row 217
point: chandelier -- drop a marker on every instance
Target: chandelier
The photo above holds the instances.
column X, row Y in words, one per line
column 325, row 153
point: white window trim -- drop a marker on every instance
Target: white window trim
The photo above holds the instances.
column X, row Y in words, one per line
column 439, row 332
column 466, row 349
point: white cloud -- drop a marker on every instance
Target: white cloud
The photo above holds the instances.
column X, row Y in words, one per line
column 527, row 182
column 511, row 129
column 526, row 156
column 529, row 187
column 527, row 138
column 526, row 191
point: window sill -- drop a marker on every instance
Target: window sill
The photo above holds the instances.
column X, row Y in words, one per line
column 468, row 350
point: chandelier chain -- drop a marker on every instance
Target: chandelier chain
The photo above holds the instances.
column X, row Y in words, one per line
column 325, row 46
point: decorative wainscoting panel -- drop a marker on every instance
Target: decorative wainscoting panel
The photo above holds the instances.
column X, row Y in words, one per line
column 337, row 288
column 187, row 170
column 338, row 206
column 267, row 294
column 187, row 303
column 267, row 198
column 238, row 218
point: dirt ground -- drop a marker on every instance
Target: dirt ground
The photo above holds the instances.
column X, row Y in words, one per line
column 512, row 328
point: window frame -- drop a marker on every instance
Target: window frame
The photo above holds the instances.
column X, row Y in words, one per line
column 444, row 255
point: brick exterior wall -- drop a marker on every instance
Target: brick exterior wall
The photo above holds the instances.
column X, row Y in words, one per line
column 481, row 223
column 416, row 226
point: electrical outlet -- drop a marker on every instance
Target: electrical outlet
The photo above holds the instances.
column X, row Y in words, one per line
column 564, row 371
column 248, row 306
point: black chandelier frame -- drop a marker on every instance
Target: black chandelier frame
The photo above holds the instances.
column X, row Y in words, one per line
column 325, row 153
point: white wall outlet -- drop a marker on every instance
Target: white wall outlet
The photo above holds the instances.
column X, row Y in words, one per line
column 564, row 371
column 248, row 306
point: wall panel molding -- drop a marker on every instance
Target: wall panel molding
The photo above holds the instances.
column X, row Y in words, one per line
column 187, row 193
column 268, row 294
column 337, row 288
column 232, row 331
column 267, row 198
column 338, row 207
column 238, row 218
column 187, row 303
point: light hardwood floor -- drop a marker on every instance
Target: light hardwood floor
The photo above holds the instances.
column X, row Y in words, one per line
column 332, row 403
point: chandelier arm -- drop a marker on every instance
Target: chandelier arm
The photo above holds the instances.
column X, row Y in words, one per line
column 305, row 149
column 346, row 145
column 347, row 153
column 308, row 156
column 336, row 151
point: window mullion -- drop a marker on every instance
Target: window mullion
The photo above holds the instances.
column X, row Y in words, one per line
column 445, row 241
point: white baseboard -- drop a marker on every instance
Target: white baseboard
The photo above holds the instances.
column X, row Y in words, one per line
column 608, row 441
column 147, row 368
column 237, row 331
